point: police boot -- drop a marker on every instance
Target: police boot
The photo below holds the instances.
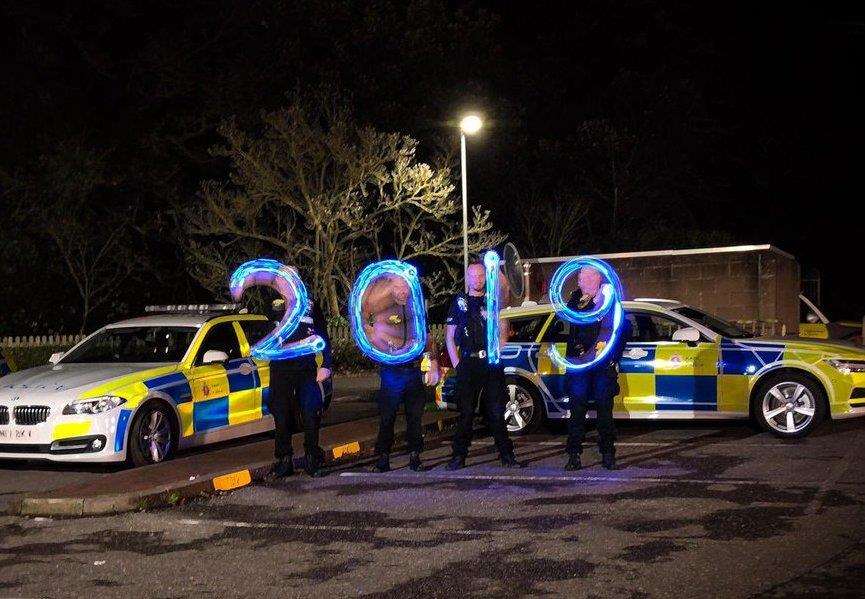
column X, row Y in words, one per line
column 414, row 461
column 457, row 462
column 608, row 461
column 574, row 462
column 313, row 466
column 509, row 460
column 281, row 468
column 382, row 464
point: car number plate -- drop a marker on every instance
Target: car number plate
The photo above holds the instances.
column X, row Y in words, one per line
column 15, row 434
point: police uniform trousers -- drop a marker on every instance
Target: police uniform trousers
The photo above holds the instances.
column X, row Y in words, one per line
column 293, row 393
column 475, row 375
column 400, row 385
column 597, row 386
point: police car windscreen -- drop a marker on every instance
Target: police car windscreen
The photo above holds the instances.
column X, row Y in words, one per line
column 134, row 344
column 719, row 325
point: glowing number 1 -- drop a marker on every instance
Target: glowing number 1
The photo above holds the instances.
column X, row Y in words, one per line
column 288, row 284
column 491, row 265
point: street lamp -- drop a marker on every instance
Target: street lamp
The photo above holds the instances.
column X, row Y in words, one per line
column 469, row 125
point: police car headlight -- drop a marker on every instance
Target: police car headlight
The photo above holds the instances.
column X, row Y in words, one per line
column 97, row 405
column 847, row 366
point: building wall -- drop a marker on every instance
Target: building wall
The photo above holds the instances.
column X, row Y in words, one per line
column 761, row 286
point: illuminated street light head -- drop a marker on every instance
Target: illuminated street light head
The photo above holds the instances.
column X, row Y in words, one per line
column 471, row 124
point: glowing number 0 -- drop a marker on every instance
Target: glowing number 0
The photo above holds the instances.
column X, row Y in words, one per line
column 612, row 301
column 491, row 265
column 289, row 285
column 367, row 276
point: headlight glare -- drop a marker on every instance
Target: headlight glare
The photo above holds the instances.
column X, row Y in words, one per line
column 96, row 405
column 847, row 366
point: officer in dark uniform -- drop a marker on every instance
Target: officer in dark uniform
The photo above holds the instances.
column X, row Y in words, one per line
column 296, row 387
column 388, row 322
column 599, row 384
column 466, row 339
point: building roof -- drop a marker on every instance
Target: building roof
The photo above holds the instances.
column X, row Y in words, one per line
column 656, row 253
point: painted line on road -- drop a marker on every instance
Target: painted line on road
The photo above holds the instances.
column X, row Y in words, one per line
column 559, row 478
column 528, row 442
column 338, row 528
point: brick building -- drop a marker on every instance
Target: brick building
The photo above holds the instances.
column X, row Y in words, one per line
column 756, row 285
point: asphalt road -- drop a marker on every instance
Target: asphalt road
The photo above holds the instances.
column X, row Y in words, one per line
column 695, row 511
column 350, row 402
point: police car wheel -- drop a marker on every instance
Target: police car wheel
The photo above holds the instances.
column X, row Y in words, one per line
column 523, row 410
column 152, row 436
column 789, row 404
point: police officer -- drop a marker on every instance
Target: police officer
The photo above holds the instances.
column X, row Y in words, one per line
column 466, row 340
column 388, row 321
column 296, row 386
column 599, row 384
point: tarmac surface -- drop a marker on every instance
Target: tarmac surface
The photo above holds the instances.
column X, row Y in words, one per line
column 351, row 401
column 695, row 510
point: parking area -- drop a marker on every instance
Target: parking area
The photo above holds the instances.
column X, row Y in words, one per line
column 695, row 510
column 351, row 402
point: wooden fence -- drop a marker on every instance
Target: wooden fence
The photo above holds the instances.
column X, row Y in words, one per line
column 41, row 341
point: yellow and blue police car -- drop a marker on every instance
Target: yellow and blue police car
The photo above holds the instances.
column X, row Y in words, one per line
column 141, row 389
column 682, row 363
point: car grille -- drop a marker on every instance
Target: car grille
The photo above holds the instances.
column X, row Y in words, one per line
column 4, row 415
column 28, row 415
column 23, row 448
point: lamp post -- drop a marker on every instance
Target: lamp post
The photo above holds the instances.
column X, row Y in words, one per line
column 469, row 125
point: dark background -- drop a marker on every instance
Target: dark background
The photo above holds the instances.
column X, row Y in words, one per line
column 725, row 122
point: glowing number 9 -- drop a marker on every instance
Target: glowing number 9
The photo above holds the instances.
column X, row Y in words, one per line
column 415, row 306
column 491, row 266
column 612, row 294
column 287, row 283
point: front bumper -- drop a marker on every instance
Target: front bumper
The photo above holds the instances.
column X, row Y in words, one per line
column 73, row 438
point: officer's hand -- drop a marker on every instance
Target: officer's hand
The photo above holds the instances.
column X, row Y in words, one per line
column 322, row 374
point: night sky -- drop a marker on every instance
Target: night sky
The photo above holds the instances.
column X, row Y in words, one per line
column 738, row 122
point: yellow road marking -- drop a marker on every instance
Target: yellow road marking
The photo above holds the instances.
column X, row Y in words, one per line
column 233, row 480
column 347, row 449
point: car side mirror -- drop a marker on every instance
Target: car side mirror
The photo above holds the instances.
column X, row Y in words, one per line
column 214, row 356
column 686, row 335
column 55, row 357
column 812, row 318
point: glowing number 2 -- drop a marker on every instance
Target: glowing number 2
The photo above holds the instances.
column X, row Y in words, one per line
column 491, row 266
column 366, row 277
column 288, row 284
column 612, row 301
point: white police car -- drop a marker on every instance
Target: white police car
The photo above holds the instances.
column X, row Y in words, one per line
column 141, row 389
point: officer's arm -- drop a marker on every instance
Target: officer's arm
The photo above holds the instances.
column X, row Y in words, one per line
column 320, row 327
column 453, row 352
column 432, row 350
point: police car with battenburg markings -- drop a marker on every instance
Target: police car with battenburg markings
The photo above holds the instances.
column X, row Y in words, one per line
column 141, row 389
column 683, row 363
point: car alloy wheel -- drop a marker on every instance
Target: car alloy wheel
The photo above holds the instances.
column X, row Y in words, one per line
column 520, row 410
column 789, row 407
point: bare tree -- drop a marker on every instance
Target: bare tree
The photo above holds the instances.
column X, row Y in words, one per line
column 315, row 189
column 552, row 226
column 91, row 233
